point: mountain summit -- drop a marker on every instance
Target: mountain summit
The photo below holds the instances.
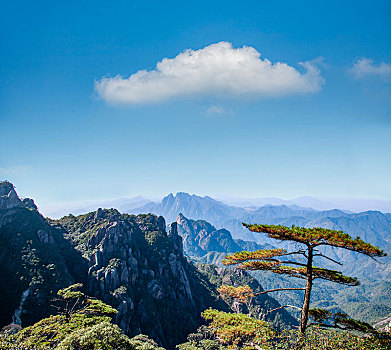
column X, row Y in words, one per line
column 192, row 206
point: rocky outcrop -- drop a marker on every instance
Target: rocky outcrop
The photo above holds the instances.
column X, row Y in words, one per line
column 138, row 268
column 129, row 262
column 200, row 237
column 8, row 197
column 45, row 236
column 31, row 271
column 29, row 204
column 135, row 266
column 204, row 243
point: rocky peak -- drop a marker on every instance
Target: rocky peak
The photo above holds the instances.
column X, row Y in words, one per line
column 201, row 238
column 8, row 197
column 168, row 200
column 29, row 204
column 175, row 238
column 6, row 187
column 135, row 266
column 183, row 196
column 98, row 214
column 181, row 220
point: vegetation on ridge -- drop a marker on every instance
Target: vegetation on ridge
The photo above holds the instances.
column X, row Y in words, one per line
column 84, row 324
column 126, row 257
column 280, row 261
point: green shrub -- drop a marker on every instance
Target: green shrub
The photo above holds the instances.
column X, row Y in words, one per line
column 104, row 336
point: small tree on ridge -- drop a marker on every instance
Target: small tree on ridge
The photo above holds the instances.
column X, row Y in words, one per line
column 282, row 262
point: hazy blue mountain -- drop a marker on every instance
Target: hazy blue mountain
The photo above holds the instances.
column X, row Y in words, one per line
column 121, row 204
column 130, row 262
column 369, row 301
column 203, row 242
column 346, row 204
column 200, row 237
column 193, row 207
column 372, row 226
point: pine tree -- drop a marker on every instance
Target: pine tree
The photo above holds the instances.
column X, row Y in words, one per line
column 298, row 263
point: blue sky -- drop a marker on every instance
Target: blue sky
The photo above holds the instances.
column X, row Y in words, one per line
column 327, row 134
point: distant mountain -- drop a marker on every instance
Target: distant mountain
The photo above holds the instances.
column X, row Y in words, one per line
column 122, row 204
column 128, row 261
column 367, row 302
column 305, row 201
column 345, row 204
column 192, row 206
column 373, row 226
column 203, row 242
column 199, row 237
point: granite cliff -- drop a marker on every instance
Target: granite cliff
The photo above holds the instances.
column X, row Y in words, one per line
column 35, row 260
column 129, row 261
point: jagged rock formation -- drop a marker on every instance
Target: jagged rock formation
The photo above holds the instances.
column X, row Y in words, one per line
column 373, row 226
column 200, row 237
column 8, row 197
column 204, row 243
column 128, row 261
column 134, row 265
column 26, row 263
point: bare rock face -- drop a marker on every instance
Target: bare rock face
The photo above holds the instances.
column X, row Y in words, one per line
column 45, row 237
column 29, row 204
column 135, row 266
column 29, row 284
column 239, row 308
column 8, row 197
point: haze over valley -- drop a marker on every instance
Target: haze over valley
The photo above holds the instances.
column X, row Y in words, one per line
column 195, row 175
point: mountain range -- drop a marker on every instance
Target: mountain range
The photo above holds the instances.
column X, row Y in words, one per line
column 369, row 301
column 345, row 204
column 372, row 226
column 127, row 204
column 139, row 263
column 128, row 261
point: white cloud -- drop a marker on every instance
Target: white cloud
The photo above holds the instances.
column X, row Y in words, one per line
column 366, row 66
column 217, row 69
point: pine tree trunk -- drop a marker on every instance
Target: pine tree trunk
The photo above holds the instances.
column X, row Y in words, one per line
column 307, row 293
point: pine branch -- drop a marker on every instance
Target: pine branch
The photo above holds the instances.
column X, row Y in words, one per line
column 281, row 307
column 261, row 254
column 275, row 267
column 326, row 257
column 276, row 290
column 325, row 325
column 290, row 262
column 334, row 276
column 74, row 305
column 316, row 236
column 302, row 252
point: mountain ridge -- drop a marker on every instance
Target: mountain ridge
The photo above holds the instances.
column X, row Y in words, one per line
column 375, row 226
column 128, row 261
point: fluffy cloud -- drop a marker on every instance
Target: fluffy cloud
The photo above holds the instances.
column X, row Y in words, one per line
column 217, row 69
column 366, row 66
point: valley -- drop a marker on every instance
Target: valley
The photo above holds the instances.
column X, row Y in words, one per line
column 164, row 259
